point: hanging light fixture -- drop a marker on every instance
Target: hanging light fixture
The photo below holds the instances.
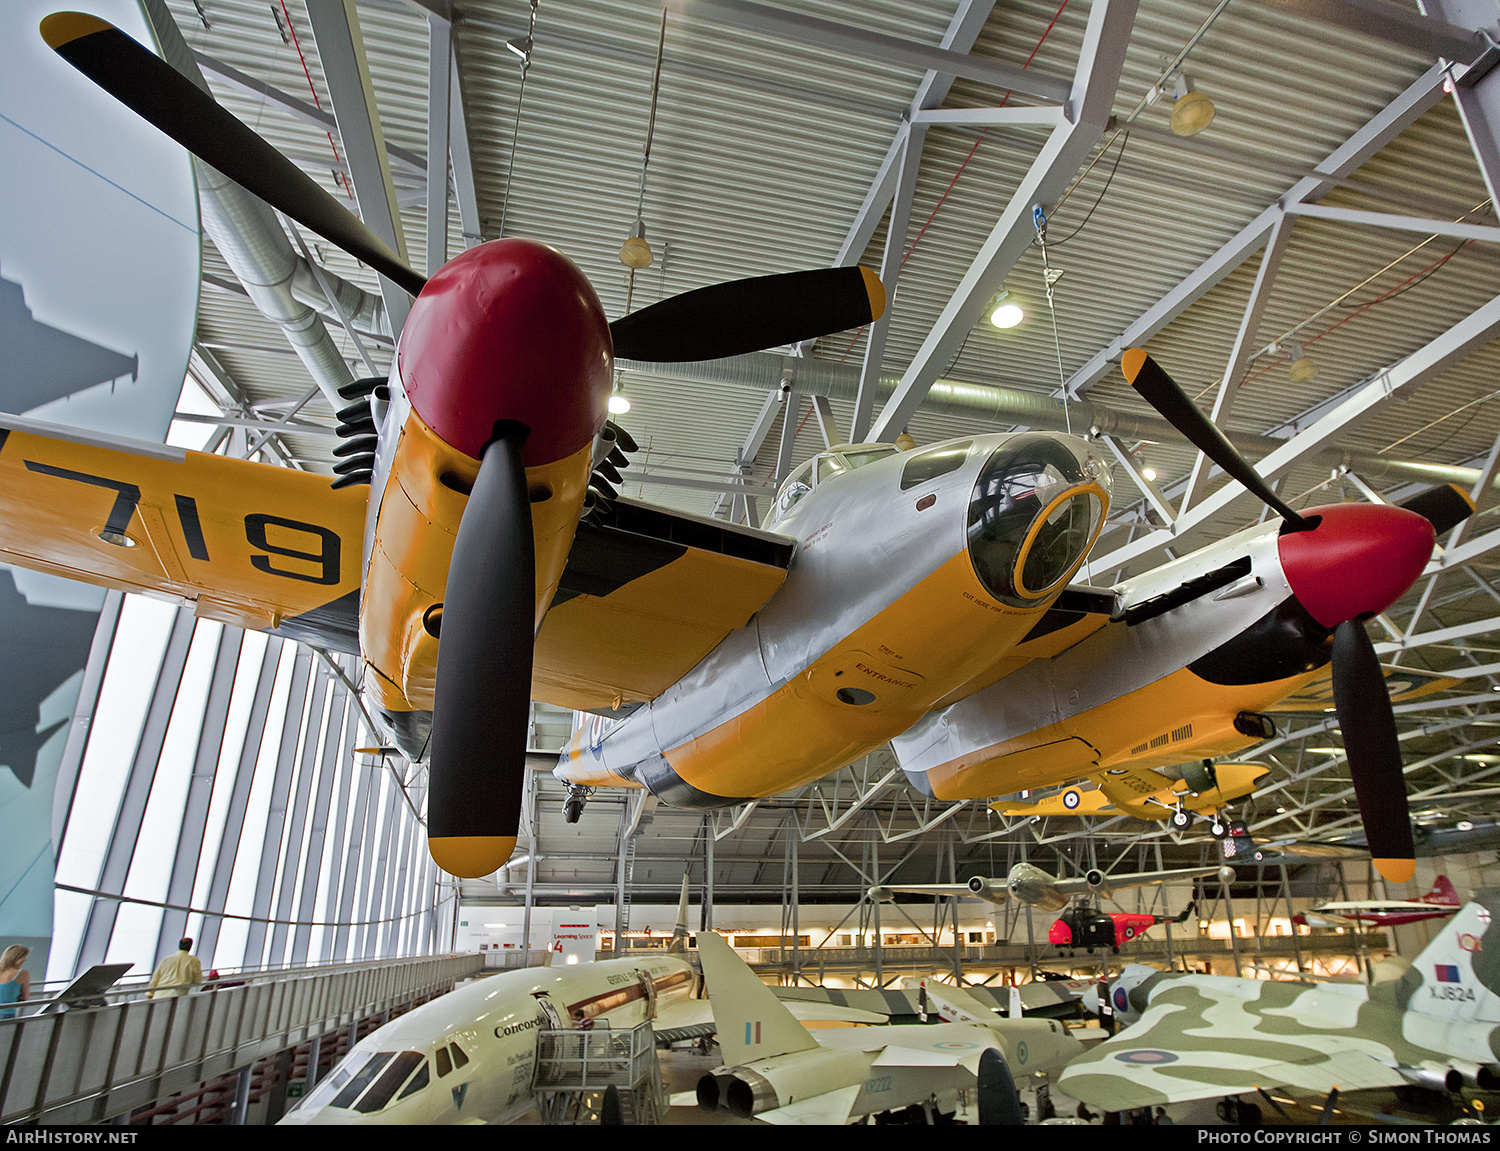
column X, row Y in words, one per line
column 1193, row 111
column 1304, row 368
column 618, row 404
column 1004, row 314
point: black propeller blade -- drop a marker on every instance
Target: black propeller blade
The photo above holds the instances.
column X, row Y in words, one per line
column 1162, row 393
column 1445, row 506
column 1369, row 727
column 483, row 690
column 748, row 315
column 167, row 99
column 1360, row 697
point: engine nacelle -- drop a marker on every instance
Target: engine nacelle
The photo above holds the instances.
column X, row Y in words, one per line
column 994, row 890
column 750, row 1089
column 1096, row 880
column 1449, row 1079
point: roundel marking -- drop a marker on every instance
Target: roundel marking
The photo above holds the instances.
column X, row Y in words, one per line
column 1122, row 1001
column 1146, row 1057
column 1130, row 933
column 1071, row 799
column 954, row 1046
column 1021, row 1052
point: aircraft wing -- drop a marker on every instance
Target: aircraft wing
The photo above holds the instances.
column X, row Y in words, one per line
column 951, row 890
column 694, row 1018
column 260, row 547
column 1193, row 1045
column 1078, row 885
column 1404, row 684
column 830, row 1109
column 646, row 594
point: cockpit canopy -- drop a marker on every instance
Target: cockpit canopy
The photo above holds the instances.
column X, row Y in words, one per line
column 823, row 467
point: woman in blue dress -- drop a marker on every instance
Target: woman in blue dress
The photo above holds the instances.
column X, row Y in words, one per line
column 15, row 982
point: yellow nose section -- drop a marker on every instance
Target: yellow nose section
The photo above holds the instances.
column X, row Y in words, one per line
column 471, row 856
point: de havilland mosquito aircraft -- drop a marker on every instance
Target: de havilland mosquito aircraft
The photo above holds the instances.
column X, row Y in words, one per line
column 894, row 600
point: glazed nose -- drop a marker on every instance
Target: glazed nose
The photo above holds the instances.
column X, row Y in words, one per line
column 1358, row 561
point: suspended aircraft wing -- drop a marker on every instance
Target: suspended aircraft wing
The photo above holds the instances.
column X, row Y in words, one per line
column 646, row 594
column 261, row 547
column 1193, row 1044
column 1079, row 884
column 1403, row 683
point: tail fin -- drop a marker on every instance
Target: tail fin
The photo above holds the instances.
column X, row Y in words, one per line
column 1015, row 1011
column 751, row 1022
column 677, row 945
column 954, row 1004
column 1443, row 892
column 1458, row 967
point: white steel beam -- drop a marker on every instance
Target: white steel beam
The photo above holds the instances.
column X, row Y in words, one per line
column 1385, row 126
column 1458, row 341
column 1234, row 370
column 890, row 272
column 439, row 122
column 1098, row 76
column 874, row 46
column 341, row 52
column 963, row 30
column 1454, row 228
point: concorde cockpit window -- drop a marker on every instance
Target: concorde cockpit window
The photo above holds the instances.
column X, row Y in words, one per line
column 418, row 1081
column 1032, row 515
column 444, row 1064
column 391, row 1078
column 934, row 462
column 459, row 1058
column 327, row 1089
column 362, row 1079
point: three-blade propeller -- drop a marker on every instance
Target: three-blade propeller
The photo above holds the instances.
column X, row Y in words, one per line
column 1361, row 700
column 487, row 621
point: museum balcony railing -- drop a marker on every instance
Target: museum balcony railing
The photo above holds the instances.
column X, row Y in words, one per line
column 88, row 1065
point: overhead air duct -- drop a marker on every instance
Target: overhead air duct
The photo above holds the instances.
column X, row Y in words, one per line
column 763, row 371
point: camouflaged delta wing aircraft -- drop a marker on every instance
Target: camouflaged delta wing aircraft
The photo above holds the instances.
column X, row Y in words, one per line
column 1188, row 1037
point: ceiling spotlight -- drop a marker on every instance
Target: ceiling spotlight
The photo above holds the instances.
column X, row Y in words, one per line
column 1304, row 367
column 635, row 253
column 1464, row 825
column 618, row 404
column 1005, row 315
column 1193, row 111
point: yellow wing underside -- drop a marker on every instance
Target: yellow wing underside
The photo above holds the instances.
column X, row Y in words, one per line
column 260, row 547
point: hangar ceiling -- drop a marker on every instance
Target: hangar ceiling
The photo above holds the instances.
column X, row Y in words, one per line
column 778, row 143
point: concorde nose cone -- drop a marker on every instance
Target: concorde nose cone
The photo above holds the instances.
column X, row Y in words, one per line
column 1358, row 561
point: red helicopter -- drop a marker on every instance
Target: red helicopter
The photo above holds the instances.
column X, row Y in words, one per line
column 1084, row 925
